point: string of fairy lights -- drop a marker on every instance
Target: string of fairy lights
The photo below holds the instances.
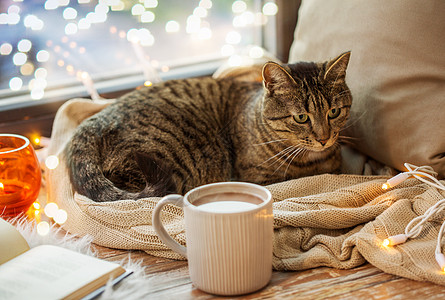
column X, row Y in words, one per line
column 30, row 60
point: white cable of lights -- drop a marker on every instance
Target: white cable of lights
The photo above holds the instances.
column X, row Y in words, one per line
column 427, row 175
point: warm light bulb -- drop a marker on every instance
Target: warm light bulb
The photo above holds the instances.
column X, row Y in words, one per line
column 2, row 188
column 395, row 240
column 148, row 83
column 398, row 179
column 36, row 205
column 440, row 259
column 37, row 141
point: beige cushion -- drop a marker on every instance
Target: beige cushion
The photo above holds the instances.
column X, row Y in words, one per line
column 396, row 72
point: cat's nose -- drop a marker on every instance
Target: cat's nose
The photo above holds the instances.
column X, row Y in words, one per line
column 322, row 141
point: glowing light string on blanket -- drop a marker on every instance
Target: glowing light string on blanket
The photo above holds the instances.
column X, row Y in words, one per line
column 427, row 175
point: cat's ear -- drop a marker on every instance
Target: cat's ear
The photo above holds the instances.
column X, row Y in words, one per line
column 336, row 68
column 275, row 76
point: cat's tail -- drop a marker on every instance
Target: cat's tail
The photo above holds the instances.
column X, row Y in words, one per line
column 85, row 170
column 85, row 165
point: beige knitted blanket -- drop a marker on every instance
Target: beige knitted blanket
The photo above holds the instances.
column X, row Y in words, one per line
column 327, row 220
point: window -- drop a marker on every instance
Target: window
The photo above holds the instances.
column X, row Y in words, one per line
column 58, row 49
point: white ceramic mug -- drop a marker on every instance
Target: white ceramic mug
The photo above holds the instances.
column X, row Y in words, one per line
column 229, row 231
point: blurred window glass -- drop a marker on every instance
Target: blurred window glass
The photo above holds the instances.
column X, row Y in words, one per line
column 64, row 45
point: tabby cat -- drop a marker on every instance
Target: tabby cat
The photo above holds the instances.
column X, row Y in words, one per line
column 179, row 134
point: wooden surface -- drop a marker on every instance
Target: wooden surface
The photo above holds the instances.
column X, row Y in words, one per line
column 364, row 282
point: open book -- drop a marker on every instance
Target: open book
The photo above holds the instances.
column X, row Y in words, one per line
column 50, row 272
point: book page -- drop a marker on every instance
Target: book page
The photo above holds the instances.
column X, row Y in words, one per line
column 50, row 272
column 12, row 242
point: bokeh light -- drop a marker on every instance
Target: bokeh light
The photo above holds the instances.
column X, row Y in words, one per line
column 270, row 9
column 42, row 56
column 19, row 58
column 69, row 13
column 15, row 83
column 71, row 28
column 43, row 228
column 61, row 216
column 239, row 6
column 5, row 49
column 24, row 45
column 51, row 162
column 51, row 209
column 172, row 26
column 233, row 37
column 151, row 3
column 137, row 9
column 147, row 17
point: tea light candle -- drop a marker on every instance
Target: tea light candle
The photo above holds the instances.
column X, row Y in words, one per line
column 20, row 175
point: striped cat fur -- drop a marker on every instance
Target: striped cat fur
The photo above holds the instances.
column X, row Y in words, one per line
column 179, row 134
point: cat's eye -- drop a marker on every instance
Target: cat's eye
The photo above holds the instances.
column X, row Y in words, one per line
column 334, row 113
column 302, row 118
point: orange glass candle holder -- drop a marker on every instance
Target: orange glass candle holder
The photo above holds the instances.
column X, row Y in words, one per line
column 20, row 175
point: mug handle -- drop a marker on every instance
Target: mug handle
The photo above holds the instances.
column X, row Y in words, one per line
column 159, row 228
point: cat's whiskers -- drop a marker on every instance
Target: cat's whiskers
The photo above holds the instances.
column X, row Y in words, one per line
column 348, row 140
column 284, row 156
column 269, row 142
column 337, row 144
column 299, row 152
column 340, row 94
column 296, row 149
column 283, row 152
column 355, row 121
column 287, row 157
column 344, row 137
